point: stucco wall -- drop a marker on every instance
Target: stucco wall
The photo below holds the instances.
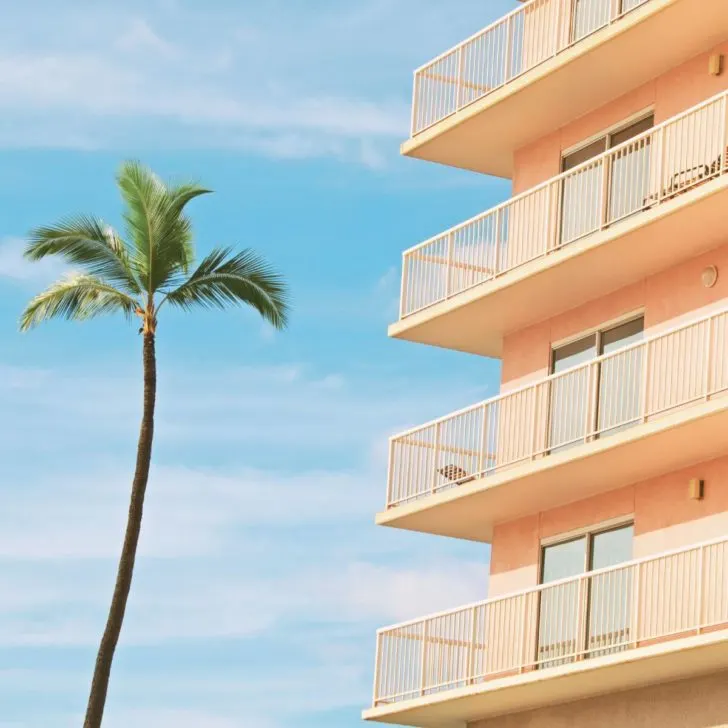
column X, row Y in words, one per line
column 696, row 703
column 667, row 298
column 664, row 517
column 669, row 94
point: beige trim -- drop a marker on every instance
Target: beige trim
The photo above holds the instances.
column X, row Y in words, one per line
column 609, row 324
column 613, row 129
column 608, row 525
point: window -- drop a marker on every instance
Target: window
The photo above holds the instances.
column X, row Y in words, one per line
column 578, row 410
column 585, row 617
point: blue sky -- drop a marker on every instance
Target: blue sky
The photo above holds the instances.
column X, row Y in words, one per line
column 262, row 578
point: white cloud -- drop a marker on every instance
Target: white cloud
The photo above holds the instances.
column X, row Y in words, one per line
column 139, row 36
column 242, row 78
column 15, row 267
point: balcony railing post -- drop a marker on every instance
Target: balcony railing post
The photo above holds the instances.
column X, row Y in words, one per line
column 470, row 675
column 582, row 619
column 497, row 236
column 701, row 587
column 403, row 308
column 415, row 98
column 449, row 264
column 558, row 33
column 423, row 662
column 636, row 621
column 661, row 152
column 390, row 475
column 645, row 381
column 606, row 192
column 483, row 442
column 460, row 79
column 708, row 357
column 435, row 458
column 508, row 50
column 377, row 658
column 591, row 425
column 724, row 135
column 534, row 434
column 615, row 10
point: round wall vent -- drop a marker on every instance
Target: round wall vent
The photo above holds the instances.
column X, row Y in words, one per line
column 709, row 276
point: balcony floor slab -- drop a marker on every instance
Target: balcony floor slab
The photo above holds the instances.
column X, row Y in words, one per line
column 696, row 433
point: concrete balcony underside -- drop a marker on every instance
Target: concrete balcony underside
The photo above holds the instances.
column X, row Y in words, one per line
column 635, row 49
column 665, row 662
column 693, row 434
column 477, row 319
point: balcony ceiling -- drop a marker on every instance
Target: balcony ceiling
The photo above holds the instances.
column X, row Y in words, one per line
column 649, row 41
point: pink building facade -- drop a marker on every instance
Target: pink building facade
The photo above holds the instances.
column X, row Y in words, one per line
column 599, row 474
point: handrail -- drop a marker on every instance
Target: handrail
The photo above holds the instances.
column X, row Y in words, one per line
column 636, row 175
column 587, row 616
column 503, row 51
column 627, row 386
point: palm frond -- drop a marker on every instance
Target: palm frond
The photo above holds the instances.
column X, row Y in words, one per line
column 158, row 228
column 244, row 279
column 77, row 297
column 179, row 196
column 89, row 243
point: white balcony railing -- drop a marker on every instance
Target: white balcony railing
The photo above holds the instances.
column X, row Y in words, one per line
column 638, row 175
column 672, row 595
column 681, row 367
column 504, row 51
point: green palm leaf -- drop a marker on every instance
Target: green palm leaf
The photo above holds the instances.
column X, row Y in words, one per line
column 155, row 219
column 77, row 297
column 222, row 279
column 86, row 241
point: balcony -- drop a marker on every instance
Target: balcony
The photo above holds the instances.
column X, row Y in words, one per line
column 638, row 412
column 543, row 65
column 652, row 620
column 649, row 203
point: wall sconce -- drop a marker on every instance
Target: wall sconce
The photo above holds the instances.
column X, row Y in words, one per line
column 715, row 64
column 697, row 489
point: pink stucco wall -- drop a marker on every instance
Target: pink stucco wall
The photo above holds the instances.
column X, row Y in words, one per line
column 667, row 95
column 667, row 298
column 664, row 517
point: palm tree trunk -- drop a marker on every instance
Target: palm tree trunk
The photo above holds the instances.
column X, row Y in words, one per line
column 105, row 656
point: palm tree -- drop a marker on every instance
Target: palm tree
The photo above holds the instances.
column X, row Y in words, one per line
column 137, row 276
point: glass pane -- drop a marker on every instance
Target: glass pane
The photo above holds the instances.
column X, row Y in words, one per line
column 570, row 393
column 582, row 193
column 610, row 599
column 612, row 548
column 629, row 190
column 584, row 154
column 620, row 378
column 564, row 560
column 558, row 637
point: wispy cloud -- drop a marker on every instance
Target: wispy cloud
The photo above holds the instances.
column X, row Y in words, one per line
column 15, row 267
column 255, row 85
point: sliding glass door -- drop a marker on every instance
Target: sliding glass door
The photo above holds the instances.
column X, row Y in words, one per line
column 597, row 194
column 577, row 411
column 582, row 618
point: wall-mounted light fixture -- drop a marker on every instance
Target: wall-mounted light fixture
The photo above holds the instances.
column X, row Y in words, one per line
column 697, row 489
column 715, row 64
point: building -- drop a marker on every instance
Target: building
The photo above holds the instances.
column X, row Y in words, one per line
column 599, row 475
